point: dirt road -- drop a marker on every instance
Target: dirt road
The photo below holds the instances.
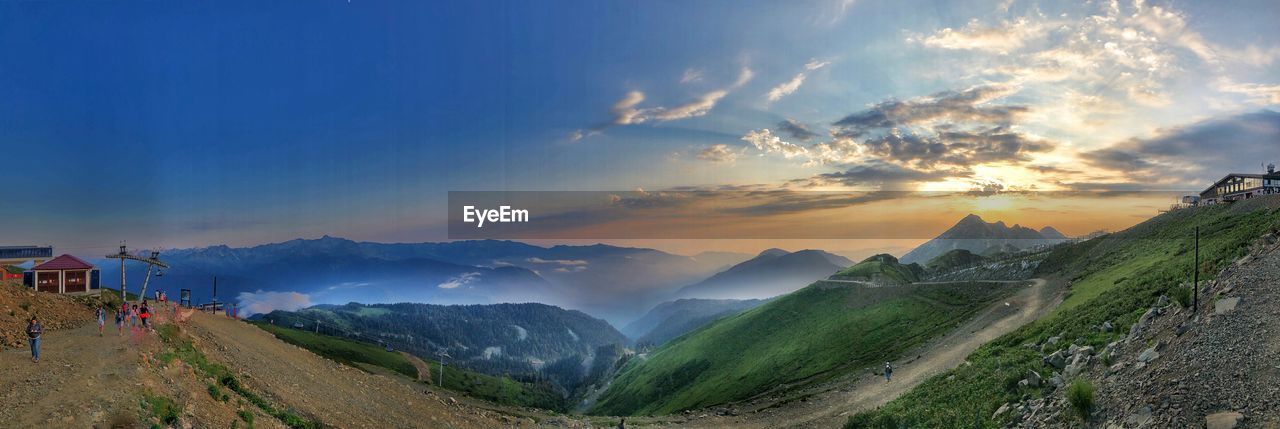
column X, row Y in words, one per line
column 831, row 404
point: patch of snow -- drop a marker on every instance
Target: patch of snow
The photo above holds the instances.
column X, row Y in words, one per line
column 521, row 333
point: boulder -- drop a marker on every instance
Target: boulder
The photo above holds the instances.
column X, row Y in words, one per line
column 1033, row 378
column 1148, row 355
column 1223, row 420
column 1071, row 350
column 1058, row 360
column 1143, row 323
column 1107, row 327
column 1225, row 305
column 1085, row 351
column 1162, row 301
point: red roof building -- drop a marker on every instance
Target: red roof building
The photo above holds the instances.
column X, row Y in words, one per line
column 64, row 274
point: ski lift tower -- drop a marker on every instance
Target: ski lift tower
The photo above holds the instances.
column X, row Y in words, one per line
column 153, row 264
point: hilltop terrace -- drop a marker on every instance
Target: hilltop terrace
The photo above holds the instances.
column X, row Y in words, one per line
column 1242, row 186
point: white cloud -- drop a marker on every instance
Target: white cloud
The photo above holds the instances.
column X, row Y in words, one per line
column 1256, row 93
column 265, row 302
column 691, row 75
column 1002, row 38
column 765, row 141
column 719, row 153
column 459, row 281
column 787, row 88
column 627, row 111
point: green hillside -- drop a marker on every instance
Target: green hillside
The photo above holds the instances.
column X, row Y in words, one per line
column 881, row 269
column 1116, row 277
column 956, row 258
column 501, row 390
column 811, row 335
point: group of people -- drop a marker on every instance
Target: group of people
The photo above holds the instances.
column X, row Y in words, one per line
column 134, row 314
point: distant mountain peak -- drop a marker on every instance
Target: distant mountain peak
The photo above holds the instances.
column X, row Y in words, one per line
column 976, row 235
column 773, row 252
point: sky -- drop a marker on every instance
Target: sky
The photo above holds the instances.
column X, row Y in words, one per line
column 181, row 124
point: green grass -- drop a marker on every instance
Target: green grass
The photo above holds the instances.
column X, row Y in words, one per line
column 160, row 408
column 501, row 390
column 953, row 259
column 1080, row 396
column 819, row 332
column 1116, row 277
column 180, row 347
column 343, row 350
column 882, row 268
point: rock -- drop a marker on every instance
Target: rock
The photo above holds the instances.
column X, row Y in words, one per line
column 1107, row 327
column 1022, row 384
column 1057, row 360
column 1074, row 369
column 1033, row 378
column 1163, row 301
column 1225, row 305
column 1115, row 369
column 1071, row 350
column 1223, row 420
column 1148, row 355
column 1001, row 410
column 1085, row 351
column 1143, row 323
column 1140, row 418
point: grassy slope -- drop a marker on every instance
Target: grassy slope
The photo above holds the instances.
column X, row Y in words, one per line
column 877, row 268
column 501, row 390
column 953, row 259
column 1116, row 278
column 808, row 336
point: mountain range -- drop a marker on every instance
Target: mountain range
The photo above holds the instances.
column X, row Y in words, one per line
column 771, row 273
column 617, row 283
column 974, row 234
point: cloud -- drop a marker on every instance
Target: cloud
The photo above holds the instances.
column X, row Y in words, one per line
column 460, row 280
column 265, row 302
column 796, row 130
column 691, row 75
column 1195, row 154
column 627, row 111
column 881, row 174
column 765, row 141
column 971, row 105
column 1256, row 93
column 1002, row 38
column 567, row 262
column 719, row 153
column 787, row 88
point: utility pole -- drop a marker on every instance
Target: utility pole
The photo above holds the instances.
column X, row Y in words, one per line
column 1195, row 275
column 317, row 326
column 443, row 354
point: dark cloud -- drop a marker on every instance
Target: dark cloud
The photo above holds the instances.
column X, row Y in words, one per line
column 796, row 129
column 887, row 176
column 969, row 105
column 961, row 148
column 1196, row 154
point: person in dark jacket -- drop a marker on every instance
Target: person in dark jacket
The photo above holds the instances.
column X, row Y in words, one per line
column 34, row 331
column 888, row 372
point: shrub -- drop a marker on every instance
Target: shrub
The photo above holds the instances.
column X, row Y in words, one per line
column 1182, row 295
column 1080, row 396
column 162, row 408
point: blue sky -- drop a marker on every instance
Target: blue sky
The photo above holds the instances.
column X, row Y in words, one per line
column 194, row 123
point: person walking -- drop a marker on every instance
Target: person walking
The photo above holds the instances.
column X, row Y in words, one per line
column 120, row 320
column 34, row 331
column 101, row 315
column 888, row 372
column 133, row 316
column 144, row 313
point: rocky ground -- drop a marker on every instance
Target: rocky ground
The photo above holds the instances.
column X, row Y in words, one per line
column 1218, row 367
column 18, row 304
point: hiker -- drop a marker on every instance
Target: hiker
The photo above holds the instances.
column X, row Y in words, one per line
column 145, row 313
column 120, row 320
column 133, row 316
column 623, row 423
column 888, row 372
column 34, row 331
column 101, row 315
